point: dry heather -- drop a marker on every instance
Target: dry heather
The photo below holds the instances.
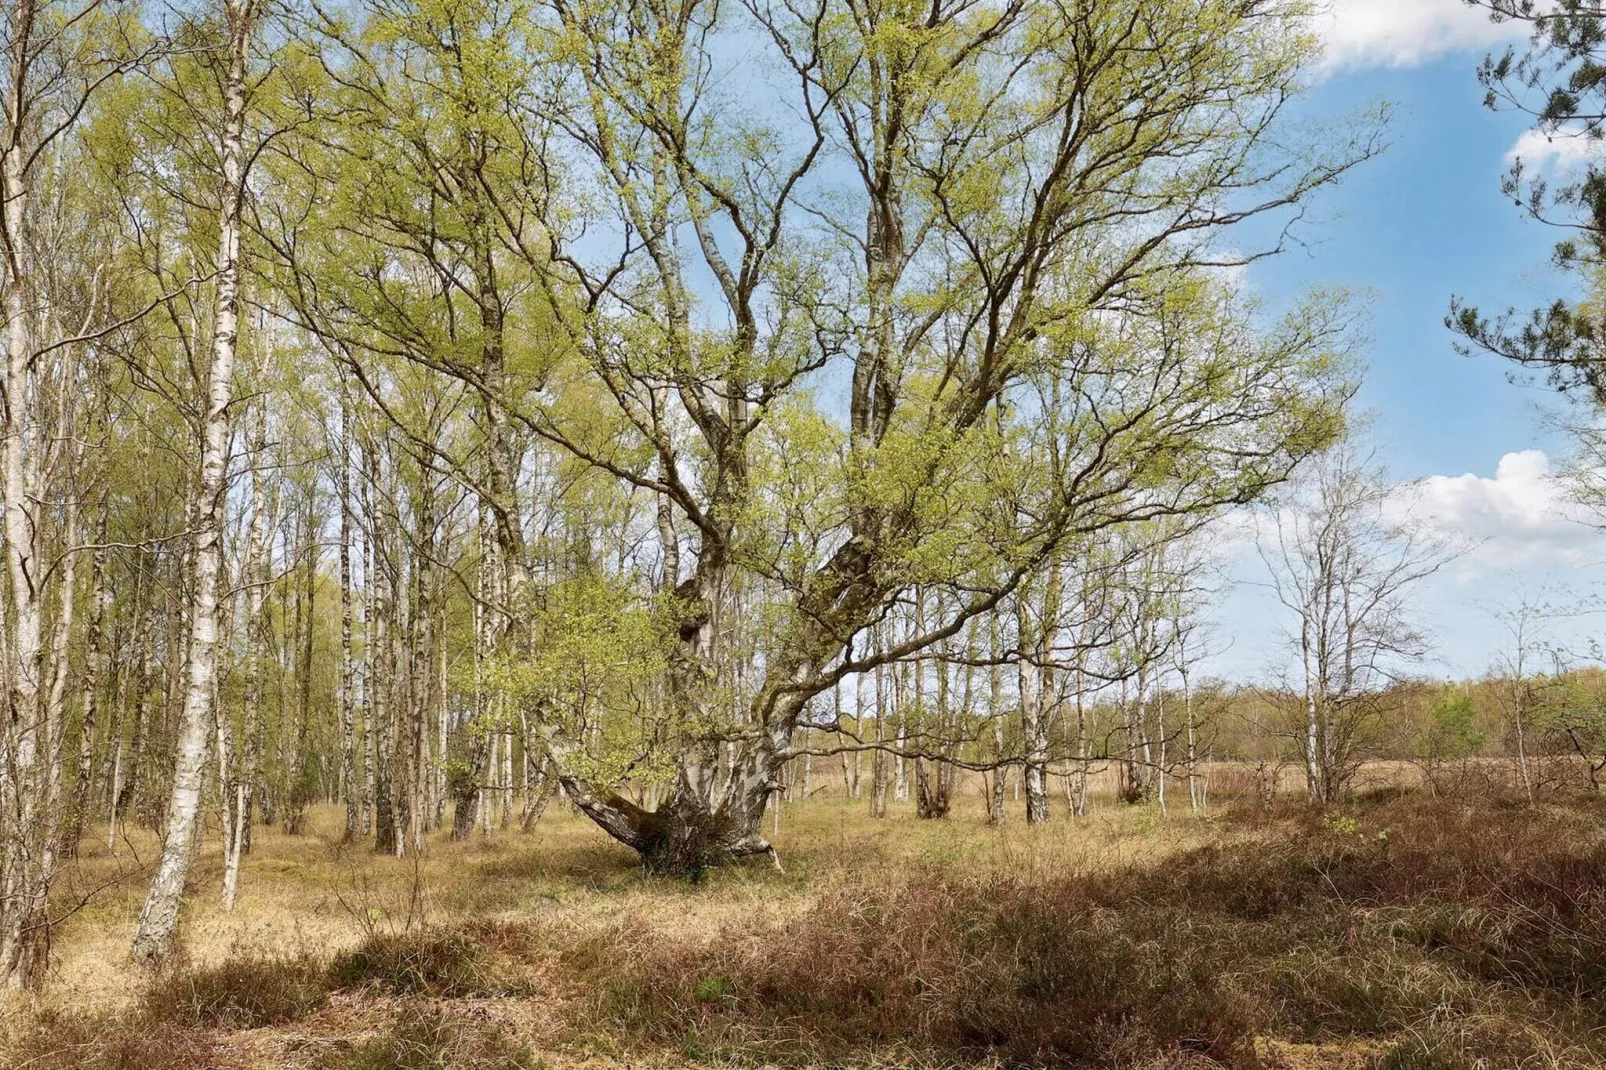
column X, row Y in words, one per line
column 1403, row 932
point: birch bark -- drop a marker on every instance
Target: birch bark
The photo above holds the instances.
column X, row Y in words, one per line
column 158, row 920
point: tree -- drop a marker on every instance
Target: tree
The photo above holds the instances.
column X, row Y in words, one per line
column 650, row 415
column 1515, row 669
column 949, row 230
column 153, row 937
column 59, row 269
column 1449, row 738
column 1342, row 566
column 1558, row 79
column 1573, row 706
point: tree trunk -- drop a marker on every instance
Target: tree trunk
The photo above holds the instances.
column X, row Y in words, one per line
column 1034, row 727
column 350, row 789
column 21, row 894
column 1315, row 783
column 153, row 938
column 536, row 800
column 94, row 670
column 879, row 775
column 370, row 676
column 299, row 787
column 385, row 837
column 464, row 783
column 685, row 835
column 995, row 713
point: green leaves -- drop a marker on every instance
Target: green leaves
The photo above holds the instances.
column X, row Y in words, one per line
column 599, row 653
column 1558, row 81
column 788, row 308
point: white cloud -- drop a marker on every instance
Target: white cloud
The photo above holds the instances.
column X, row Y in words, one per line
column 1559, row 151
column 1405, row 33
column 1522, row 515
column 1524, row 541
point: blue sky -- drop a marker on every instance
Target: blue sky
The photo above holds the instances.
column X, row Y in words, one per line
column 1424, row 221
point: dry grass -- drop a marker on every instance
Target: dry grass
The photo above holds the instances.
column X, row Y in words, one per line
column 1406, row 932
column 240, row 993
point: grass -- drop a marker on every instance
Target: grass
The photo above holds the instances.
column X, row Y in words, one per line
column 423, row 1036
column 1401, row 932
column 1418, row 921
column 241, row 993
column 442, row 964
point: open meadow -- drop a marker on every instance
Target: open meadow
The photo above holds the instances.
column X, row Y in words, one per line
column 1398, row 932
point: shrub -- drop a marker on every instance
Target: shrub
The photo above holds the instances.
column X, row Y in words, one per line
column 52, row 1040
column 1032, row 973
column 1378, row 922
column 239, row 994
column 424, row 1037
column 170, row 1026
column 432, row 962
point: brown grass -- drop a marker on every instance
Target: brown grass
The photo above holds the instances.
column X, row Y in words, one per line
column 1454, row 929
column 1404, row 932
column 427, row 1036
column 241, row 993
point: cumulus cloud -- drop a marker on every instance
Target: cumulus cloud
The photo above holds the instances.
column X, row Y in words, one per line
column 1521, row 515
column 1405, row 33
column 1520, row 536
column 1562, row 150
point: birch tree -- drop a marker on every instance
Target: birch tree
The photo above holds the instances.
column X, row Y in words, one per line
column 1341, row 565
column 58, row 261
column 158, row 919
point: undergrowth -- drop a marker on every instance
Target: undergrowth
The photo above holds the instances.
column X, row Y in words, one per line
column 424, row 1036
column 1451, row 929
column 1406, row 933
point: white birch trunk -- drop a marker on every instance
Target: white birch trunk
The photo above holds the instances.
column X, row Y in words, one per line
column 158, row 920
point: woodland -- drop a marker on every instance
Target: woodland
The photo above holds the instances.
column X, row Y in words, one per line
column 683, row 533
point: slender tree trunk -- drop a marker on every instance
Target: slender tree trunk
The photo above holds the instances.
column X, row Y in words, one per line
column 298, row 795
column 879, row 775
column 858, row 732
column 350, row 790
column 27, row 945
column 485, row 804
column 900, row 789
column 442, row 723
column 94, row 670
column 1032, row 705
column 1314, row 781
column 24, row 532
column 227, row 796
column 1083, row 756
column 836, row 709
column 1519, row 699
column 256, row 570
column 421, row 666
column 386, row 840
column 153, row 937
column 995, row 713
column 125, row 756
column 1160, row 776
column 370, row 676
column 808, row 763
column 1195, row 794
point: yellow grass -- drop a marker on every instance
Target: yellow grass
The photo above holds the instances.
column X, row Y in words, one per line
column 311, row 894
column 573, row 888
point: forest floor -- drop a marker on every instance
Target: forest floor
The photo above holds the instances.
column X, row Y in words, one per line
column 1398, row 932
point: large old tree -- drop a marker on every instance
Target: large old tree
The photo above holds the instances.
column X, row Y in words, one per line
column 804, row 275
